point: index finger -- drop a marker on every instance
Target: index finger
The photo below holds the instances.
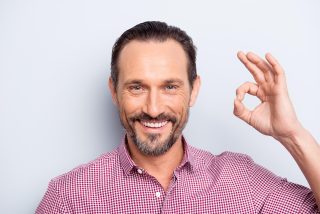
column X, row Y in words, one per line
column 253, row 69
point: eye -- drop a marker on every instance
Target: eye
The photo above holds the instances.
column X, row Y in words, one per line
column 171, row 88
column 135, row 89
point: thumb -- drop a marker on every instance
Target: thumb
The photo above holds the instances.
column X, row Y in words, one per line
column 241, row 111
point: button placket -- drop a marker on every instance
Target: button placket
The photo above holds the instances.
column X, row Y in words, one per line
column 158, row 194
column 140, row 171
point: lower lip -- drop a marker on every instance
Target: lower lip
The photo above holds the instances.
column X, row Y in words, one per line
column 154, row 129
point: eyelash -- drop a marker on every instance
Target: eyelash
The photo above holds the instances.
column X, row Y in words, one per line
column 135, row 87
column 139, row 88
column 171, row 87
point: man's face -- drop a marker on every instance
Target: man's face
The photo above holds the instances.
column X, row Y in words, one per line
column 153, row 94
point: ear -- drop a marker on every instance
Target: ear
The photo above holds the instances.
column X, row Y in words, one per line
column 195, row 91
column 113, row 92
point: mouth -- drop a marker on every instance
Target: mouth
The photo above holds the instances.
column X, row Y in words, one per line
column 153, row 124
column 154, row 127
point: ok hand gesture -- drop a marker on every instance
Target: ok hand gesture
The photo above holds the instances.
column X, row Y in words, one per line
column 275, row 115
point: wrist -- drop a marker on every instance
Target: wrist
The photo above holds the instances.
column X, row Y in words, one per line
column 292, row 134
column 299, row 143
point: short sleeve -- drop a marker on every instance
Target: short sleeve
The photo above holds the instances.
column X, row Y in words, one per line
column 51, row 201
column 273, row 194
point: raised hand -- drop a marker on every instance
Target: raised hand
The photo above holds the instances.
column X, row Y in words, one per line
column 275, row 115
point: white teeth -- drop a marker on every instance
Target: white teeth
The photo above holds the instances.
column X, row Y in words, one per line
column 154, row 125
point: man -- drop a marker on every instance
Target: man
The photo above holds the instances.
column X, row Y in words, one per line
column 154, row 83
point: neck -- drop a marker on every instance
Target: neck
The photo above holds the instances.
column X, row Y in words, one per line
column 161, row 167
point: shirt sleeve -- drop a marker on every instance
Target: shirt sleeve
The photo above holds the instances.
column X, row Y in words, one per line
column 273, row 194
column 51, row 202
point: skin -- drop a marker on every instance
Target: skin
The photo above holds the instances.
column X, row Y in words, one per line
column 275, row 115
column 153, row 80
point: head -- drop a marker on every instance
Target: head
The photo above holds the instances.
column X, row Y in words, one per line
column 154, row 83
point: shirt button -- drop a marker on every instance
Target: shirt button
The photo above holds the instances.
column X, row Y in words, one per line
column 158, row 194
column 139, row 171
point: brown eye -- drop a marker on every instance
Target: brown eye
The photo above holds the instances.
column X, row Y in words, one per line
column 171, row 87
column 135, row 89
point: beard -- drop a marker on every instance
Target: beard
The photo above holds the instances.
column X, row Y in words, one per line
column 153, row 145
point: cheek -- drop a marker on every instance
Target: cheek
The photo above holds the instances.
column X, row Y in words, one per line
column 131, row 104
column 179, row 106
column 179, row 101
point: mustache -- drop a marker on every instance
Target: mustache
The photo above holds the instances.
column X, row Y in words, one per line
column 160, row 117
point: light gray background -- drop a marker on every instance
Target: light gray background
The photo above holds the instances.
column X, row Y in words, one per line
column 55, row 109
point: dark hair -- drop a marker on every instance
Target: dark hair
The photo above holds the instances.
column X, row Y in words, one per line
column 158, row 31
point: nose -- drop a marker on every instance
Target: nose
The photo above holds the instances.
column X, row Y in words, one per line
column 154, row 104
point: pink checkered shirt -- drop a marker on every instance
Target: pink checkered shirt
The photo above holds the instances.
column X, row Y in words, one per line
column 203, row 183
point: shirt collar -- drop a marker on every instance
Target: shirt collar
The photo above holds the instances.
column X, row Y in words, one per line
column 128, row 164
column 126, row 161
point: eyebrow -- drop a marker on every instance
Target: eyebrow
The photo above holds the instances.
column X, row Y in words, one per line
column 174, row 80
column 133, row 82
column 167, row 81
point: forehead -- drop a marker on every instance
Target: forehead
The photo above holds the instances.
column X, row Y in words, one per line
column 143, row 59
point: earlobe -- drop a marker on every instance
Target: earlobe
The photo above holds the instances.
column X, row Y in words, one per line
column 112, row 90
column 195, row 91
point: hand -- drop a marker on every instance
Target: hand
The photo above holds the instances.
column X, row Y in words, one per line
column 275, row 115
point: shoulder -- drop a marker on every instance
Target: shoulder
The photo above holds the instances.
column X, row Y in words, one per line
column 236, row 166
column 103, row 164
column 75, row 186
column 207, row 159
column 228, row 157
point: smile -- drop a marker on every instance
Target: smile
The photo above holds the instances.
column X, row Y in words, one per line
column 154, row 124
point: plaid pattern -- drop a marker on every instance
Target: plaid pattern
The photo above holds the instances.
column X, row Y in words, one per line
column 203, row 183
